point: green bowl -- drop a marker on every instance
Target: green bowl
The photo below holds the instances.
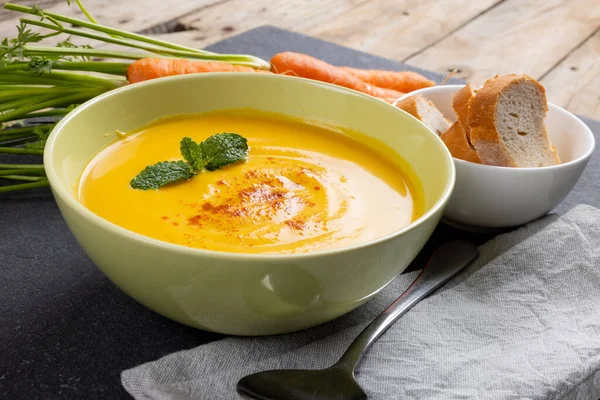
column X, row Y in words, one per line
column 244, row 294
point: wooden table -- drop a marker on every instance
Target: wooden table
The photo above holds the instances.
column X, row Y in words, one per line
column 555, row 41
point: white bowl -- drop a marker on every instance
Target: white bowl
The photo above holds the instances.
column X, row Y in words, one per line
column 502, row 197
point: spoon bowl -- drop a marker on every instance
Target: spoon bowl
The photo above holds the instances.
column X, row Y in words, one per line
column 290, row 384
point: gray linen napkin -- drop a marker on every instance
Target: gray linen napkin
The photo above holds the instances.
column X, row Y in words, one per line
column 523, row 322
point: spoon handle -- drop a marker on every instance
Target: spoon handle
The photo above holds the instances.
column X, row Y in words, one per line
column 447, row 261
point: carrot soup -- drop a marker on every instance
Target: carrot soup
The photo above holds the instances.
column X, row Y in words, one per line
column 303, row 186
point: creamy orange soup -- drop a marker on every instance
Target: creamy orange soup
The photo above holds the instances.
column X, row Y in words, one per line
column 303, row 187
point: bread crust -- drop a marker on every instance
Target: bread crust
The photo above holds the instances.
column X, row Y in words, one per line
column 556, row 154
column 410, row 106
column 455, row 139
column 461, row 102
column 482, row 120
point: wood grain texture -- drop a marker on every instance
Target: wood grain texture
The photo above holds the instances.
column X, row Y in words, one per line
column 5, row 14
column 398, row 29
column 129, row 15
column 379, row 27
column 575, row 83
column 231, row 17
column 517, row 36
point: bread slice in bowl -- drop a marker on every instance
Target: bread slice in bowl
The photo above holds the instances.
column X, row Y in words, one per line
column 457, row 137
column 461, row 103
column 506, row 123
column 424, row 110
column 456, row 141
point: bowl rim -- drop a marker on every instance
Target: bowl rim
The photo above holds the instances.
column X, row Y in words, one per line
column 59, row 189
column 582, row 158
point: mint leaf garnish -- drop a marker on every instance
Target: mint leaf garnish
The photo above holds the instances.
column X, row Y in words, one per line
column 215, row 152
column 223, row 149
column 160, row 174
column 192, row 153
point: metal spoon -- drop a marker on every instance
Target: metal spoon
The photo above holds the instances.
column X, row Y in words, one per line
column 337, row 382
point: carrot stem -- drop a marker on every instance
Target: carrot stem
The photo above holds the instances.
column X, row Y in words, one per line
column 55, row 102
column 19, row 141
column 10, row 105
column 35, row 91
column 59, row 112
column 10, row 131
column 68, row 51
column 22, row 166
column 85, row 11
column 23, row 178
column 54, row 78
column 104, row 67
column 18, row 150
column 39, row 114
column 89, row 35
column 24, row 186
column 249, row 61
column 13, row 141
column 21, row 171
column 102, row 28
column 4, row 136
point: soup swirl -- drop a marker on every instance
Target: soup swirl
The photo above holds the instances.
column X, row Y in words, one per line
column 304, row 187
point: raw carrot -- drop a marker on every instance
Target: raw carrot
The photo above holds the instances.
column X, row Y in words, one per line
column 403, row 81
column 388, row 95
column 305, row 66
column 151, row 68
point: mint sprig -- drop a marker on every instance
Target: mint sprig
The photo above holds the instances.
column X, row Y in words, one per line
column 160, row 174
column 222, row 149
column 215, row 152
column 192, row 153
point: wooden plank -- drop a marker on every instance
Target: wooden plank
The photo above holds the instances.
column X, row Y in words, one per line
column 189, row 38
column 575, row 83
column 346, row 22
column 223, row 20
column 6, row 14
column 517, row 36
column 398, row 29
column 129, row 15
column 394, row 29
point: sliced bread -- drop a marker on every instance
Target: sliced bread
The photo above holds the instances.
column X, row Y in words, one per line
column 457, row 137
column 424, row 110
column 456, row 141
column 461, row 101
column 506, row 123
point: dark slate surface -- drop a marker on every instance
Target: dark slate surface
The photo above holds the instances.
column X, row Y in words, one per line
column 67, row 332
